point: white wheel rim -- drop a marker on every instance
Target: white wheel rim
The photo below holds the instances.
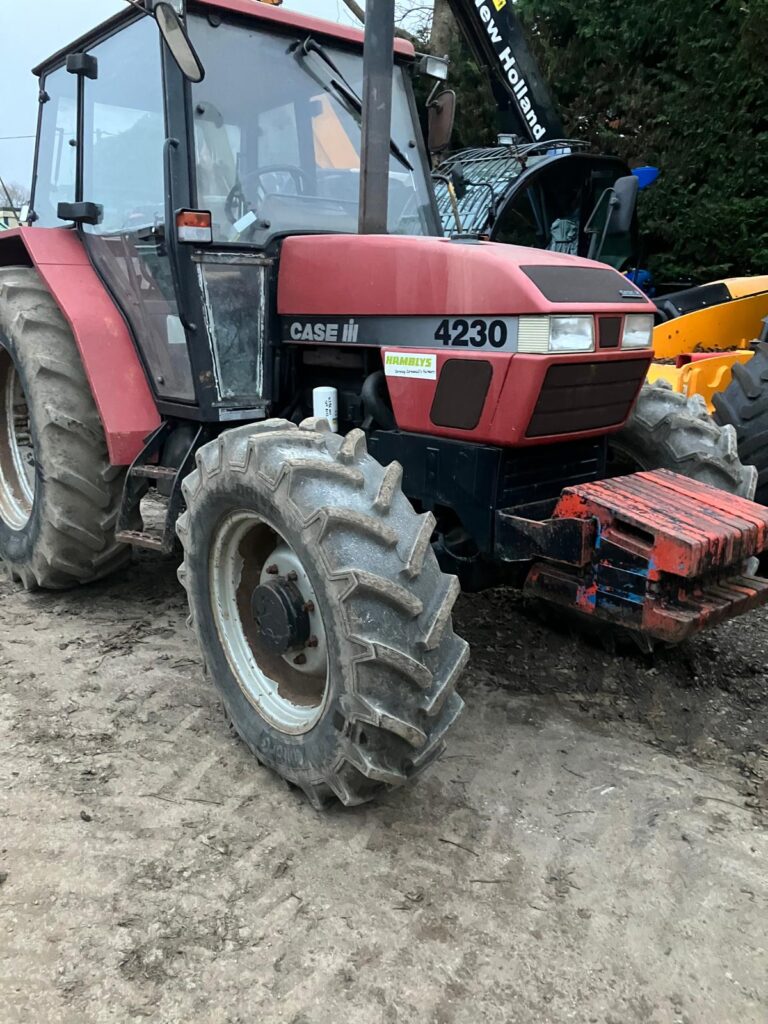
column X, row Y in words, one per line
column 288, row 690
column 17, row 453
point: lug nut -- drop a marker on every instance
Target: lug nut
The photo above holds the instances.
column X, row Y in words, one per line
column 292, row 576
column 309, row 607
column 312, row 642
column 272, row 570
column 300, row 659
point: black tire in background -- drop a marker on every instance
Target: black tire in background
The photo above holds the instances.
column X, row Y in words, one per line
column 743, row 406
column 270, row 495
column 59, row 503
column 666, row 430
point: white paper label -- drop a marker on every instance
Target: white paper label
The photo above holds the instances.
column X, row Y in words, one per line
column 403, row 364
column 245, row 222
column 175, row 330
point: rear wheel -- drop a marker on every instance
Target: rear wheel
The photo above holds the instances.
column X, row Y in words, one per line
column 320, row 609
column 17, row 453
column 669, row 431
column 59, row 495
column 744, row 407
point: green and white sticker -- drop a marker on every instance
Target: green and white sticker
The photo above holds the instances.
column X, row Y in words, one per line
column 402, row 364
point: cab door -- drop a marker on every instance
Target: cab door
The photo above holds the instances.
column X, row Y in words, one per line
column 124, row 137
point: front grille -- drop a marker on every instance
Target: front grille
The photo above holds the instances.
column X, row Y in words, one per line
column 538, row 473
column 586, row 396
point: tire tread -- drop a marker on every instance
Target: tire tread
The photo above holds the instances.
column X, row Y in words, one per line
column 402, row 700
column 76, row 542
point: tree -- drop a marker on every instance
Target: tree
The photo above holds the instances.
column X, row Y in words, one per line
column 443, row 31
column 18, row 194
column 403, row 13
column 432, row 28
column 676, row 83
column 683, row 85
column 475, row 110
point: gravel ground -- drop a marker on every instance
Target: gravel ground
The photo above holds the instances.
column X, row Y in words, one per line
column 593, row 847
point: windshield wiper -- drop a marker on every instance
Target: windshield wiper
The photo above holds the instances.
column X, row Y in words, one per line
column 334, row 80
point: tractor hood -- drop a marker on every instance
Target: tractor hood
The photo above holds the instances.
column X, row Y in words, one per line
column 393, row 275
column 464, row 329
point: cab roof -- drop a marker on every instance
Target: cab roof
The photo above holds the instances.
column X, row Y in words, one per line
column 280, row 17
column 305, row 22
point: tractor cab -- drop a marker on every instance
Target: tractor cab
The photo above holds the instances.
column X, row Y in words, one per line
column 183, row 190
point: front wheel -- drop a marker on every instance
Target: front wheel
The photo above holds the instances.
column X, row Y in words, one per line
column 320, row 609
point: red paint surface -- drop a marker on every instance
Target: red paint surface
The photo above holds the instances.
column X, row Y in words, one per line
column 393, row 275
column 119, row 385
column 512, row 395
column 283, row 16
column 397, row 275
column 694, row 357
column 693, row 528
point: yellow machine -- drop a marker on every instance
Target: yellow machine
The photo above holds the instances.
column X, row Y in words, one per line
column 706, row 330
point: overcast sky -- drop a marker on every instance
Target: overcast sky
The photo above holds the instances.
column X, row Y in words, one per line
column 34, row 29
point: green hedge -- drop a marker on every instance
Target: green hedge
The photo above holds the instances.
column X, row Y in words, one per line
column 676, row 83
column 683, row 85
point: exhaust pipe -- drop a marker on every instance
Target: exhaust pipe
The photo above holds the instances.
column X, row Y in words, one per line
column 378, row 59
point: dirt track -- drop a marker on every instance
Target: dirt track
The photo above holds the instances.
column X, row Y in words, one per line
column 592, row 849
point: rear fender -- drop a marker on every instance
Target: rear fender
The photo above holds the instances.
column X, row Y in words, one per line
column 117, row 379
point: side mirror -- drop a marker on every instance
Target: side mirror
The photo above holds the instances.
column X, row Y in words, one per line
column 613, row 212
column 178, row 42
column 621, row 208
column 441, row 114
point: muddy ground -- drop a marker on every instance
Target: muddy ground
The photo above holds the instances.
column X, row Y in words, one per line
column 593, row 848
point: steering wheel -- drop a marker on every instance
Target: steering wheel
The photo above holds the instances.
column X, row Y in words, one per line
column 238, row 193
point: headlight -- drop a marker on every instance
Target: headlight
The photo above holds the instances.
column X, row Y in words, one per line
column 638, row 331
column 571, row 334
column 543, row 334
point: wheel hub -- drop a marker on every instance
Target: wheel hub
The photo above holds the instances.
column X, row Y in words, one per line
column 308, row 654
column 269, row 622
column 281, row 615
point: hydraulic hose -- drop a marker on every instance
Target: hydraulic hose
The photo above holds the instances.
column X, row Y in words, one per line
column 374, row 401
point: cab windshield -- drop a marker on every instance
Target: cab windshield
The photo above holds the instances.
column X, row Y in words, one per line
column 277, row 138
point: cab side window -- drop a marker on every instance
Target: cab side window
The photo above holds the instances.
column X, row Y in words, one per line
column 125, row 131
column 55, row 182
column 124, row 176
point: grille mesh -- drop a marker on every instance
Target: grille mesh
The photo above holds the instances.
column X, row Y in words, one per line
column 586, row 396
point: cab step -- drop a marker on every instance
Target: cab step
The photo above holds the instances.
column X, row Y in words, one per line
column 153, row 472
column 144, row 471
column 139, row 539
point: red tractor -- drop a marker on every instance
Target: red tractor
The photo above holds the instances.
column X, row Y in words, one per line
column 233, row 292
